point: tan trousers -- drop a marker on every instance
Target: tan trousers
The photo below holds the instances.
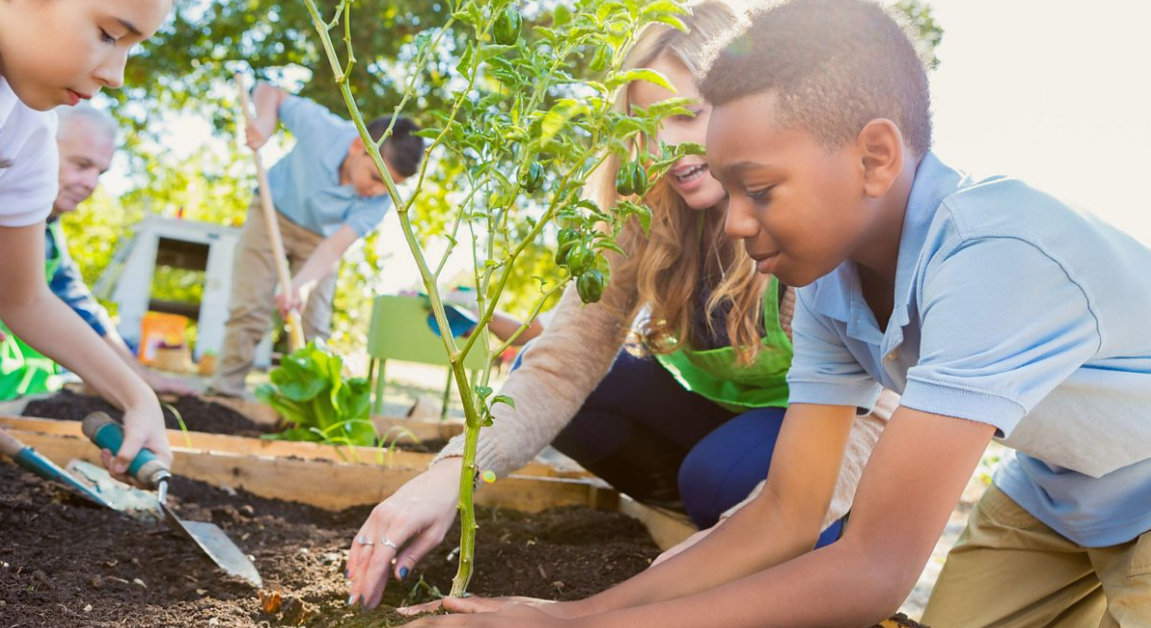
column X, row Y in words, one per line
column 253, row 295
column 1009, row 570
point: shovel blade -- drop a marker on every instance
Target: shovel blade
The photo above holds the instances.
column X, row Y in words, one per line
column 129, row 500
column 219, row 548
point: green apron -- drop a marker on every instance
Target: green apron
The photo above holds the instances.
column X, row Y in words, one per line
column 24, row 370
column 716, row 374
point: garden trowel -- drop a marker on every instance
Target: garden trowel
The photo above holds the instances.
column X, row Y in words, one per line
column 145, row 468
column 37, row 463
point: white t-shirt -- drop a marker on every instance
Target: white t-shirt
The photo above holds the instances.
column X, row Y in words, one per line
column 29, row 162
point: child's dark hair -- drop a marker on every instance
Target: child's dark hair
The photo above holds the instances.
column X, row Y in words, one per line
column 835, row 65
column 404, row 150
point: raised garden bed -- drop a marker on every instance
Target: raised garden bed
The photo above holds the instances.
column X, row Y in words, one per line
column 64, row 562
column 295, row 514
column 68, row 563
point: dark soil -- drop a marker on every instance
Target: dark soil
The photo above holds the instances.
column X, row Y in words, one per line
column 198, row 414
column 65, row 563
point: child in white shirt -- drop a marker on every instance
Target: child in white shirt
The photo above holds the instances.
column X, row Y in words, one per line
column 89, row 48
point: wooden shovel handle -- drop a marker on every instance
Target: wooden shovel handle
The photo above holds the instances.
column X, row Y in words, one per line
column 295, row 327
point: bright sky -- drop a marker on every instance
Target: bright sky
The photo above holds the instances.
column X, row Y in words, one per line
column 1055, row 92
column 1052, row 91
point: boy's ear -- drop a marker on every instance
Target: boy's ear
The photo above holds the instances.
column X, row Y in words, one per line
column 357, row 146
column 880, row 146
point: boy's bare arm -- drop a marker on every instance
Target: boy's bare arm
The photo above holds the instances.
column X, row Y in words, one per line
column 780, row 524
column 266, row 99
column 324, row 260
column 42, row 320
column 911, row 485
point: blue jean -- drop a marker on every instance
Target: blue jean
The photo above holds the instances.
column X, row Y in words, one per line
column 643, row 433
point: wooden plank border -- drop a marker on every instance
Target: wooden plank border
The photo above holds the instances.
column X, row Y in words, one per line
column 221, row 443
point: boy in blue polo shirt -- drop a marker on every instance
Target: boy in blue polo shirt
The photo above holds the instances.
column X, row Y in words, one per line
column 327, row 194
column 995, row 309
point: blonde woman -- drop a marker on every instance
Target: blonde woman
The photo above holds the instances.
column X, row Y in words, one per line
column 691, row 423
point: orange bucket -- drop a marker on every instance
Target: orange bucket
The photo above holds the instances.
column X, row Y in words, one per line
column 157, row 329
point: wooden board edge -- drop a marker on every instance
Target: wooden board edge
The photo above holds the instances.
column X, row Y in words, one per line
column 667, row 528
column 337, row 485
column 224, row 443
column 329, row 484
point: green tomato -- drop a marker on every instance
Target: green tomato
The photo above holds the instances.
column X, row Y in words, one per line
column 590, row 286
column 638, row 179
column 567, row 239
column 623, row 180
column 532, row 177
column 506, row 30
column 579, row 259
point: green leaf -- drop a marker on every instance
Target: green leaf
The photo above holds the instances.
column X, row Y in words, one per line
column 504, row 399
column 664, row 6
column 483, row 392
column 641, row 74
column 494, row 50
column 608, row 244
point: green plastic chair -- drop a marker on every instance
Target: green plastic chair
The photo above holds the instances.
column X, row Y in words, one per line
column 399, row 331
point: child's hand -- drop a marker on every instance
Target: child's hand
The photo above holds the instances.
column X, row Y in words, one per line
column 143, row 427
column 258, row 133
column 167, row 385
column 292, row 300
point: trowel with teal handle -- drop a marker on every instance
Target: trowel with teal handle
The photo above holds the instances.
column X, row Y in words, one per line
column 37, row 463
column 152, row 474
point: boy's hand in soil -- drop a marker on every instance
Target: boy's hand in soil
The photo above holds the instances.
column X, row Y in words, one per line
column 476, row 604
column 514, row 616
column 414, row 519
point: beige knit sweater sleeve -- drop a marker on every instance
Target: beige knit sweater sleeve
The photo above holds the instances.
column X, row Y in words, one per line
column 562, row 368
column 569, row 360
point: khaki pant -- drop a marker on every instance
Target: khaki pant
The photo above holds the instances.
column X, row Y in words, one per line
column 1009, row 570
column 253, row 295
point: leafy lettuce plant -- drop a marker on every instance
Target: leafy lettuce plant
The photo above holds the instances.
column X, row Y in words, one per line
column 310, row 391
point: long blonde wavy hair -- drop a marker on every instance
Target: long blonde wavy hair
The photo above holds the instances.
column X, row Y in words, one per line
column 670, row 264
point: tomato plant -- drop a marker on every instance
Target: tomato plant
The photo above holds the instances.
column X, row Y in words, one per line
column 530, row 129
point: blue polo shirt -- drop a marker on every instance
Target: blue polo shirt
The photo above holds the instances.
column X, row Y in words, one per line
column 306, row 182
column 1015, row 310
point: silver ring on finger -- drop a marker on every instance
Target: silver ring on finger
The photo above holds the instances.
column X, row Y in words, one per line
column 364, row 540
column 386, row 541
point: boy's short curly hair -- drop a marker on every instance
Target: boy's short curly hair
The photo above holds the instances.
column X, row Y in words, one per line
column 834, row 64
column 404, row 149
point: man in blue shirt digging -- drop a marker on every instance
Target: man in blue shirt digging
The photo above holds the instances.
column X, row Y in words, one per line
column 327, row 194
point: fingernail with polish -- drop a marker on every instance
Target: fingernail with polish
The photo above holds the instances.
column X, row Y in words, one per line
column 351, row 599
column 403, row 572
column 347, row 573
